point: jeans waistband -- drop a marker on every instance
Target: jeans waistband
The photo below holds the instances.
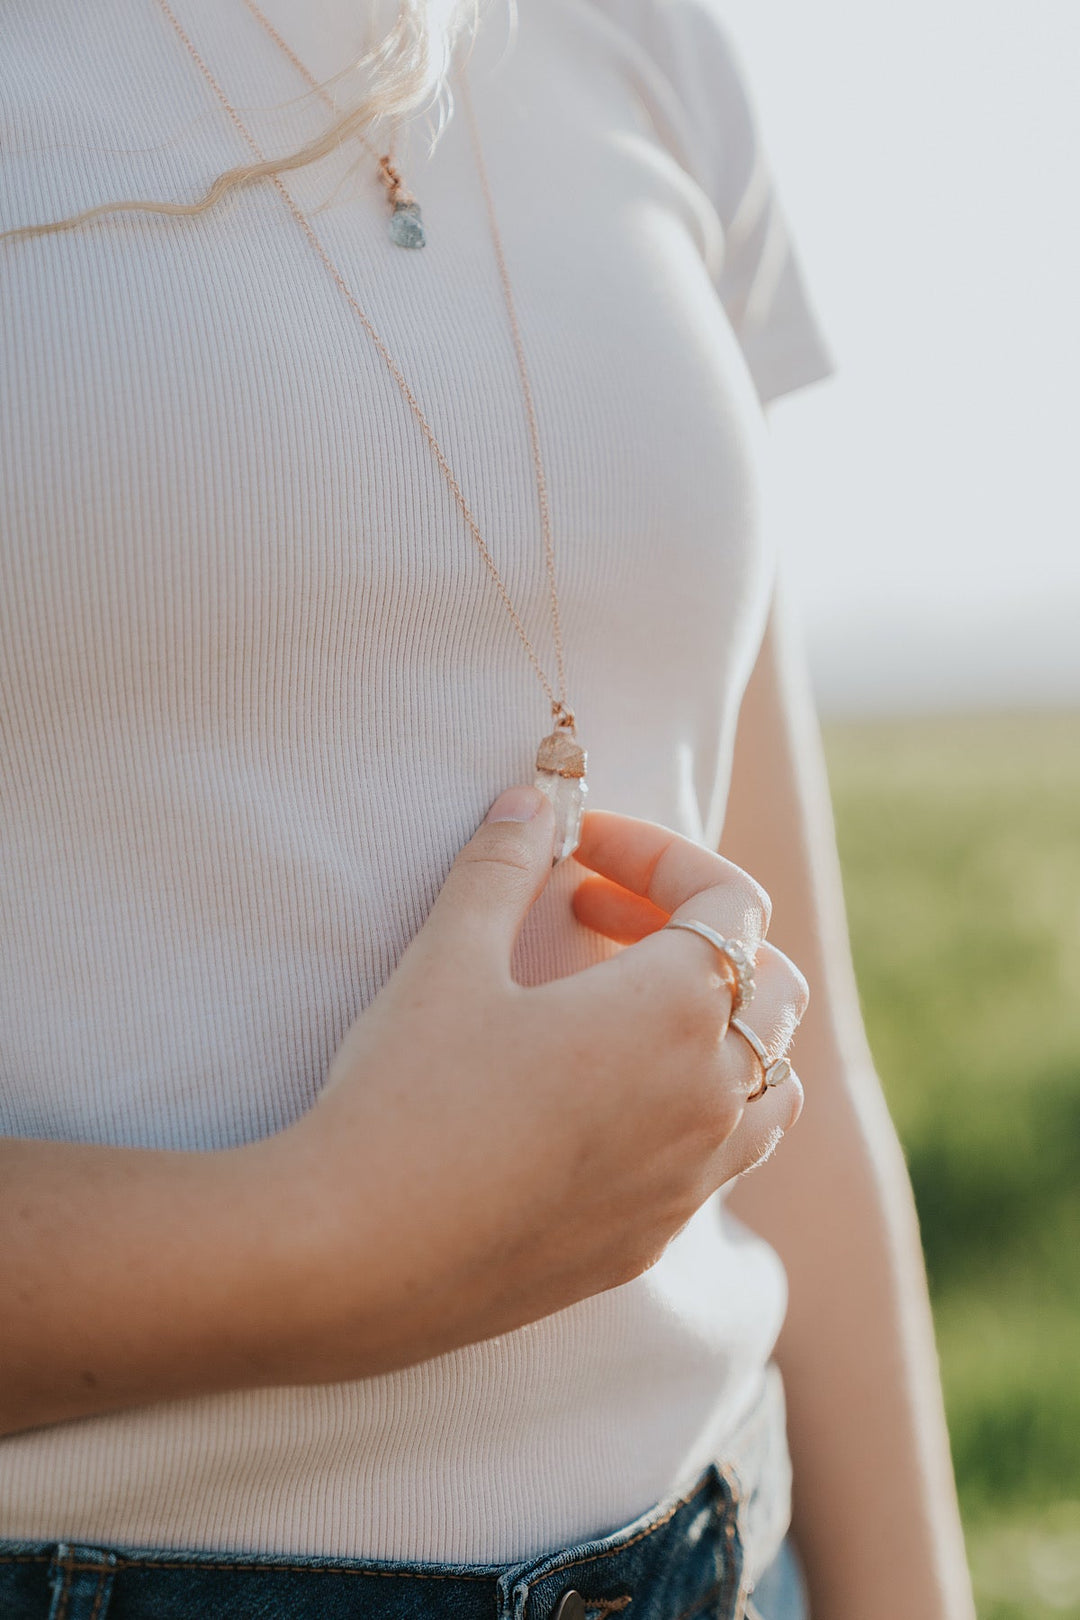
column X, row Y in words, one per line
column 682, row 1560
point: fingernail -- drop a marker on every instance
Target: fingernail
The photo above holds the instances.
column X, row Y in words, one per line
column 516, row 804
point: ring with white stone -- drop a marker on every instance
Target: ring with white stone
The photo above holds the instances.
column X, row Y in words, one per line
column 773, row 1072
column 736, row 957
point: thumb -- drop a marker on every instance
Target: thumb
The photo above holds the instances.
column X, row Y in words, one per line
column 496, row 876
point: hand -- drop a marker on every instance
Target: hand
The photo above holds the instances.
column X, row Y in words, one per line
column 642, row 875
column 486, row 1153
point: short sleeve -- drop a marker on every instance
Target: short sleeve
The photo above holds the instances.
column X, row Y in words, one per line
column 760, row 280
column 758, row 274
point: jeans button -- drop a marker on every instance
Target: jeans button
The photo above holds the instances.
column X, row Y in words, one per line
column 571, row 1607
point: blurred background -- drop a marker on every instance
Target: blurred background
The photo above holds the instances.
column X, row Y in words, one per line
column 929, row 159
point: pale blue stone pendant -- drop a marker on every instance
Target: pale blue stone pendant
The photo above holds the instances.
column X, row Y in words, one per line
column 406, row 226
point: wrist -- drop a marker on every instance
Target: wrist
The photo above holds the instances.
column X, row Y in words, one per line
column 322, row 1250
column 367, row 1277
column 285, row 1203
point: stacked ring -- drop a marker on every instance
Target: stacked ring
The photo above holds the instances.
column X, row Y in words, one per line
column 737, row 958
column 773, row 1073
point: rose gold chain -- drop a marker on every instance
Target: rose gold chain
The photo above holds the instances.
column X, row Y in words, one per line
column 523, row 371
column 560, row 708
column 396, row 189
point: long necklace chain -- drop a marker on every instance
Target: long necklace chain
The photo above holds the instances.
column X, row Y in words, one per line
column 561, row 761
column 560, row 708
column 508, row 298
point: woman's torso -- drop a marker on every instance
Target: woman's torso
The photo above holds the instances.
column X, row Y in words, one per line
column 259, row 688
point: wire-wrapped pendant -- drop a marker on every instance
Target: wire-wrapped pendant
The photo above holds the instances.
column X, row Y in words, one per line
column 405, row 225
column 560, row 773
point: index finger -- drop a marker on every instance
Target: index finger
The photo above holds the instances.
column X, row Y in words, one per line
column 668, row 869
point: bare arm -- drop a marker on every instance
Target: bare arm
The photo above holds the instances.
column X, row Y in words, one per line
column 875, row 1509
column 129, row 1276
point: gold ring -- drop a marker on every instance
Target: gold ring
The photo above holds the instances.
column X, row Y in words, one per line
column 773, row 1072
column 740, row 963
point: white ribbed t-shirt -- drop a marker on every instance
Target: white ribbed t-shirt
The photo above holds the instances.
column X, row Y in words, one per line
column 257, row 688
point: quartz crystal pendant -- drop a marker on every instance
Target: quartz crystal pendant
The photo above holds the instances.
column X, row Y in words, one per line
column 560, row 773
column 406, row 226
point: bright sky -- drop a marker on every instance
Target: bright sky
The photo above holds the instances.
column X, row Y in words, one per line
column 928, row 156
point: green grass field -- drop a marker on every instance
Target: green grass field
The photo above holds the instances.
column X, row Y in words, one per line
column 960, row 842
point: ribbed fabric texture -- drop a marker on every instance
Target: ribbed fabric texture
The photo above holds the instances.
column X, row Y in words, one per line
column 257, row 687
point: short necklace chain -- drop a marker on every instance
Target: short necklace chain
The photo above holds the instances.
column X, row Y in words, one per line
column 560, row 708
column 397, row 192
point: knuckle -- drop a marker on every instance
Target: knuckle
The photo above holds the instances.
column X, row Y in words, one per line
column 761, row 901
column 754, row 900
column 794, row 1097
column 798, row 991
column 768, row 1129
column 789, row 981
column 505, row 848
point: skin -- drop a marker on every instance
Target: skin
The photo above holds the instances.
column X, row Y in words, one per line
column 876, row 1518
column 354, row 1242
column 875, row 1512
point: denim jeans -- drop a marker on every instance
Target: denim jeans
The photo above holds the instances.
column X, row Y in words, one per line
column 683, row 1560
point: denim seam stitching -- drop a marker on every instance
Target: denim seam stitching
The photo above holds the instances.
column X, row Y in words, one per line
column 733, row 1584
column 65, row 1591
column 642, row 1535
column 103, row 1585
column 195, row 1565
column 137, row 1564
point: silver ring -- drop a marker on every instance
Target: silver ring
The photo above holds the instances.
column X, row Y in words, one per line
column 735, row 954
column 773, row 1073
